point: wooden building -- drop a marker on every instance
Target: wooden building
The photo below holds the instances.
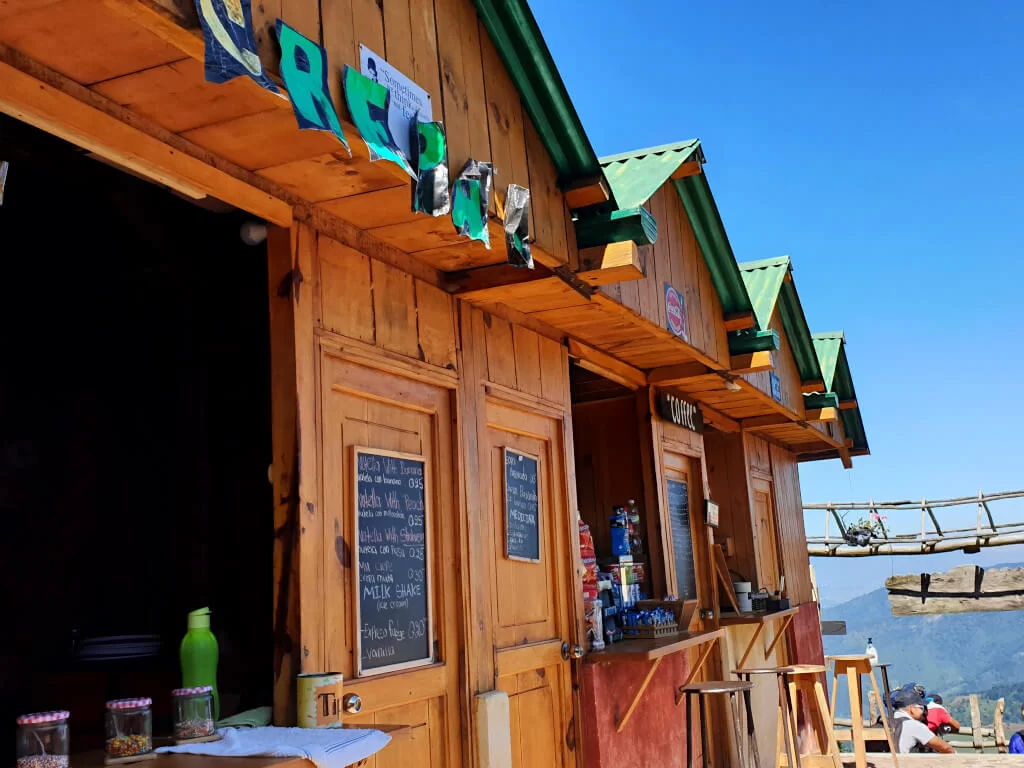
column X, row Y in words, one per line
column 638, row 360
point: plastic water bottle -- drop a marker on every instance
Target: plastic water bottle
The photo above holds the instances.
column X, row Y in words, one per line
column 199, row 654
column 872, row 653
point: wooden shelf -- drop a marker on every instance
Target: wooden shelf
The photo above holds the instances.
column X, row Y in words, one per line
column 652, row 648
column 758, row 617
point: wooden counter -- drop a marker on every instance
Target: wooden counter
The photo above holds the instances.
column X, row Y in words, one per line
column 755, row 617
column 760, row 619
column 654, row 648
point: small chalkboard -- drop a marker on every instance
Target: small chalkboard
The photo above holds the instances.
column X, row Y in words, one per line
column 522, row 507
column 682, row 539
column 392, row 561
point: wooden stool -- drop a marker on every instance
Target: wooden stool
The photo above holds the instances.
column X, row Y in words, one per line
column 886, row 690
column 806, row 679
column 785, row 732
column 701, row 690
column 852, row 667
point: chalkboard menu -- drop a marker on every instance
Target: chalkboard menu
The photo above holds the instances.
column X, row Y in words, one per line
column 522, row 507
column 682, row 540
column 393, row 618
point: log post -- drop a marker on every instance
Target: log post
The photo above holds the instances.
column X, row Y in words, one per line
column 979, row 745
column 997, row 727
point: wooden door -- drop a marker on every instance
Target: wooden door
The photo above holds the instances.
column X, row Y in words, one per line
column 368, row 408
column 682, row 481
column 533, row 607
column 764, row 535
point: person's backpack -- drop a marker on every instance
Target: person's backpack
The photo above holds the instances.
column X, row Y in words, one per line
column 1017, row 743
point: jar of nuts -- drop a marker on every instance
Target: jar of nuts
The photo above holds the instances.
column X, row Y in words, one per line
column 43, row 740
column 193, row 712
column 129, row 728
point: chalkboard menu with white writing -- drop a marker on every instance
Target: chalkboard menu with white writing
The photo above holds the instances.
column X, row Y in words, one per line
column 522, row 507
column 682, row 540
column 394, row 627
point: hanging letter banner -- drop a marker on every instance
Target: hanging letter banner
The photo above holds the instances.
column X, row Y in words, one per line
column 470, row 198
column 230, row 43
column 517, row 226
column 304, row 69
column 369, row 103
column 429, row 147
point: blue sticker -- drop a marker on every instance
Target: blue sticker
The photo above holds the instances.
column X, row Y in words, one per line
column 230, row 42
column 304, row 70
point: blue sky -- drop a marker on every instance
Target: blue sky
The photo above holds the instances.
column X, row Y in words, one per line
column 878, row 144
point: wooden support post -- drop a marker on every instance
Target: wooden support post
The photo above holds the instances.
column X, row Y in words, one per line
column 750, row 646
column 979, row 745
column 856, row 716
column 700, row 662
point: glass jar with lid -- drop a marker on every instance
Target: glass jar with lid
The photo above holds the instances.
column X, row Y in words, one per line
column 129, row 727
column 193, row 712
column 43, row 740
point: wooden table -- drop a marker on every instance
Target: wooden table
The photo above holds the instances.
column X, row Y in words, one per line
column 653, row 651
column 761, row 619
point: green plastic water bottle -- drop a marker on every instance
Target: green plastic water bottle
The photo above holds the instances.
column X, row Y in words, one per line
column 199, row 654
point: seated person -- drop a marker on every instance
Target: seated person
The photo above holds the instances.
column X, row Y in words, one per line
column 939, row 720
column 912, row 735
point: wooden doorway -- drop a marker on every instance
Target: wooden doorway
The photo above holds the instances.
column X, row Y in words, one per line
column 763, row 511
column 394, row 414
column 533, row 608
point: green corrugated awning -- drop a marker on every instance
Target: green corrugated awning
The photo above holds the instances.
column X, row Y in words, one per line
column 634, row 177
column 835, row 369
column 768, row 288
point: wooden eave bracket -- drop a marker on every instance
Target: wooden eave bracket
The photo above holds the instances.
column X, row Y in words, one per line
column 739, row 321
column 689, row 168
column 812, row 386
column 751, row 362
column 611, row 263
column 847, row 405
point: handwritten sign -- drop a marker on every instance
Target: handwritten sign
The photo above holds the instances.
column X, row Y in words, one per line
column 682, row 539
column 522, row 507
column 680, row 411
column 392, row 561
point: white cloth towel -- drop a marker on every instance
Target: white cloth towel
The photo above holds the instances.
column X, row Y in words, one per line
column 326, row 747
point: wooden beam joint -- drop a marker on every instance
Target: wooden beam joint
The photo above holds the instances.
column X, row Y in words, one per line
column 612, row 263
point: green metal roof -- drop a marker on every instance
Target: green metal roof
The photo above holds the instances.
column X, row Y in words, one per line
column 835, row 370
column 513, row 28
column 767, row 287
column 634, row 177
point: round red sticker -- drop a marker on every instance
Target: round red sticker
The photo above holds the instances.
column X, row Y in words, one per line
column 674, row 311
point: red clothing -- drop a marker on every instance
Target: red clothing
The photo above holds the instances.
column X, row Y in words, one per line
column 937, row 716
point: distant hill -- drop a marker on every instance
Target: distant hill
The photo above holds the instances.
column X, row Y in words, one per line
column 956, row 654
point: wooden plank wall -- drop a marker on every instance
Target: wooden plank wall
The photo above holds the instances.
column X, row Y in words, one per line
column 370, row 302
column 790, row 524
column 676, row 259
column 608, row 466
column 727, row 473
column 442, row 45
column 785, row 369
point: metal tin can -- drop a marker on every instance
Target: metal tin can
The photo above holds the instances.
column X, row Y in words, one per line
column 318, row 702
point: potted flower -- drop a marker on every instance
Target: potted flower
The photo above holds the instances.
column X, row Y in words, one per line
column 860, row 532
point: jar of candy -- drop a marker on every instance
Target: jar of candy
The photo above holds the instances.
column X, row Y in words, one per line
column 43, row 740
column 129, row 727
column 193, row 712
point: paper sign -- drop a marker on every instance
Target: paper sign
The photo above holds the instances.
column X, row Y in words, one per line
column 369, row 103
column 470, row 197
column 517, row 226
column 409, row 102
column 230, row 43
column 304, row 69
column 431, row 163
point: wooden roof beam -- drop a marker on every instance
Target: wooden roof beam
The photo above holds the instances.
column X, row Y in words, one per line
column 476, row 283
column 719, row 421
column 821, row 414
column 587, row 192
column 771, row 420
column 847, row 405
column 812, row 386
column 611, row 263
column 751, row 362
column 677, row 374
column 739, row 321
column 689, row 168
column 607, row 366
